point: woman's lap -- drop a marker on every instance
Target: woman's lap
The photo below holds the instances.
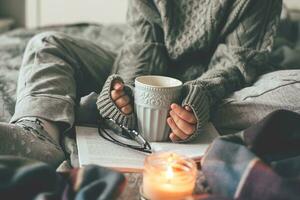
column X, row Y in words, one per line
column 272, row 91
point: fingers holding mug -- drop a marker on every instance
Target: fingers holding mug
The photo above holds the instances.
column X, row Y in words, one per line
column 119, row 97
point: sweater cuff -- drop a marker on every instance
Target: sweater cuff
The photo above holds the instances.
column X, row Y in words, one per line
column 108, row 109
column 197, row 100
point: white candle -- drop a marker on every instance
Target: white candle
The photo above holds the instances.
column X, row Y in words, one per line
column 168, row 176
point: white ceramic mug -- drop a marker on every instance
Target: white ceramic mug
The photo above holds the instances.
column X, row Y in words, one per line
column 153, row 97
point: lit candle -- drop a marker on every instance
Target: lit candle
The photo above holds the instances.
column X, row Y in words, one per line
column 168, row 176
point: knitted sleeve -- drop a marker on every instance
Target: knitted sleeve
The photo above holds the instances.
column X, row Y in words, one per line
column 239, row 59
column 143, row 53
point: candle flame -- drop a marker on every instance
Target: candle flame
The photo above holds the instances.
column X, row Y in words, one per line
column 170, row 172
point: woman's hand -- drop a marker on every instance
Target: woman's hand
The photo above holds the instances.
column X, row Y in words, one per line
column 120, row 98
column 182, row 122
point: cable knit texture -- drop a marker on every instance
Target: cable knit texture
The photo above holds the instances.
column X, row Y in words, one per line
column 215, row 47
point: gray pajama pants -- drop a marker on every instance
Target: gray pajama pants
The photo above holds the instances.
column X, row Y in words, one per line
column 58, row 70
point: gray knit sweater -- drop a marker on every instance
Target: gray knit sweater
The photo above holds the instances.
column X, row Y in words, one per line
column 215, row 47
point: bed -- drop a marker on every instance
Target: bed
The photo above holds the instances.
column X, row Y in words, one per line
column 13, row 43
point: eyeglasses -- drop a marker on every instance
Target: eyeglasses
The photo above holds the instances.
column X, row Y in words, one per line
column 110, row 130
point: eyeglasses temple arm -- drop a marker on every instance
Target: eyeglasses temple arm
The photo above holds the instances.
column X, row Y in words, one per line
column 139, row 138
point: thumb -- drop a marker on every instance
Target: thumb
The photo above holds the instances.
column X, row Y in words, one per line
column 118, row 85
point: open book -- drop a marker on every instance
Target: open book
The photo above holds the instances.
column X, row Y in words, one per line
column 93, row 149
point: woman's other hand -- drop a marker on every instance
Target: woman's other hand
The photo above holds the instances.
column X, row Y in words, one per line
column 182, row 121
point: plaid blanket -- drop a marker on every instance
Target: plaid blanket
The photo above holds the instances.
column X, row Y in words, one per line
column 31, row 180
column 262, row 162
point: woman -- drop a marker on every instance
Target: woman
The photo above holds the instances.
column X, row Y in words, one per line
column 215, row 47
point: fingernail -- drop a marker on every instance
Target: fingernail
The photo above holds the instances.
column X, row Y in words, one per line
column 173, row 105
column 171, row 136
column 118, row 85
column 187, row 108
column 169, row 120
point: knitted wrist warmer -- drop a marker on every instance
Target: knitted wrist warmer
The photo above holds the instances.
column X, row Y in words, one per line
column 107, row 107
column 197, row 100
